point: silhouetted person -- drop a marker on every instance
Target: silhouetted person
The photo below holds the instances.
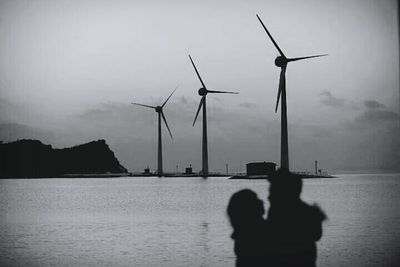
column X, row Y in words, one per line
column 293, row 226
column 246, row 212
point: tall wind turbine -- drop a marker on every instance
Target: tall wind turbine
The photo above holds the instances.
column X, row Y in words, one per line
column 203, row 91
column 159, row 110
column 281, row 62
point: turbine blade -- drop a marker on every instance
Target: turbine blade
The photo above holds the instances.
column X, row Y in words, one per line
column 169, row 96
column 221, row 92
column 282, row 85
column 147, row 106
column 198, row 75
column 301, row 58
column 198, row 110
column 270, row 36
column 166, row 123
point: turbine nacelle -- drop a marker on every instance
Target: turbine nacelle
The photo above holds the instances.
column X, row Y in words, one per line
column 159, row 110
column 281, row 61
column 203, row 91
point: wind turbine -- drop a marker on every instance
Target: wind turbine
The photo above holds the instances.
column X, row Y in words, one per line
column 159, row 110
column 203, row 91
column 281, row 62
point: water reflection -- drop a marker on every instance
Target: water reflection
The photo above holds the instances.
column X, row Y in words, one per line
column 123, row 222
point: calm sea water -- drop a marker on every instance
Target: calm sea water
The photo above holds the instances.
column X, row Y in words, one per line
column 182, row 221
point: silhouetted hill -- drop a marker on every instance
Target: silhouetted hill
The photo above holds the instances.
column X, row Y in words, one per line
column 32, row 158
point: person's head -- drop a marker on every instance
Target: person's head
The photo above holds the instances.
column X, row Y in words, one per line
column 244, row 208
column 284, row 189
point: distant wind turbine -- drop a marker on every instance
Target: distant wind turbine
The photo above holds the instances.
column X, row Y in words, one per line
column 159, row 110
column 203, row 93
column 282, row 61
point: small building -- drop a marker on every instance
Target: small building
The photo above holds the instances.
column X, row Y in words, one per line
column 260, row 168
column 189, row 170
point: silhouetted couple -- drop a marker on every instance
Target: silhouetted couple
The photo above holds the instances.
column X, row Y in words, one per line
column 287, row 237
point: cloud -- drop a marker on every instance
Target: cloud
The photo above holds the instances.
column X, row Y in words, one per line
column 328, row 99
column 373, row 116
column 372, row 111
column 104, row 111
column 236, row 136
column 14, row 131
column 376, row 112
column 332, row 101
column 372, row 104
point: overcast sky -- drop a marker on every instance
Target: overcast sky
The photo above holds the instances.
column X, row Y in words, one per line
column 70, row 69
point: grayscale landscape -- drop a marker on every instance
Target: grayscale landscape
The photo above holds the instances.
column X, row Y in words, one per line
column 128, row 128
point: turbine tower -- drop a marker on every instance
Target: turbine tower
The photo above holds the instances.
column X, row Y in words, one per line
column 281, row 62
column 159, row 110
column 203, row 91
